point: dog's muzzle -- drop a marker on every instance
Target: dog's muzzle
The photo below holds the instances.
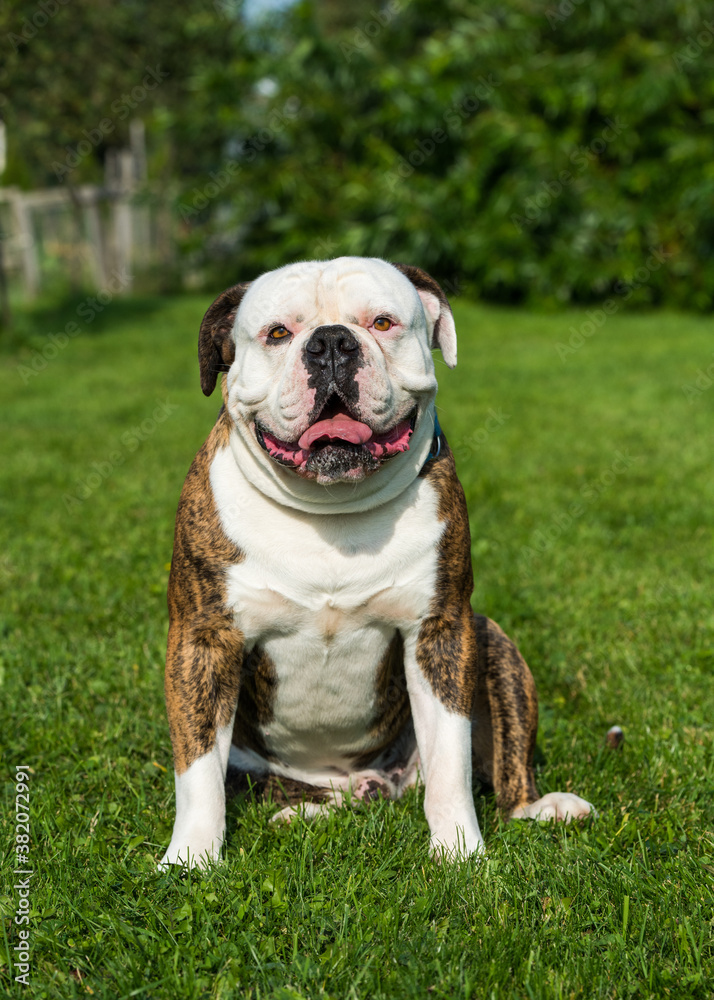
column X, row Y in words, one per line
column 337, row 446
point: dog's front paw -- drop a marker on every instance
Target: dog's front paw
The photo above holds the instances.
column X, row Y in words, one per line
column 454, row 846
column 561, row 806
column 197, row 850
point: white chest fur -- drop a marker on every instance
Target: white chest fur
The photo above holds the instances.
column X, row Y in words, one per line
column 323, row 595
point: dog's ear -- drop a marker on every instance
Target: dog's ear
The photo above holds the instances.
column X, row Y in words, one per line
column 437, row 309
column 216, row 349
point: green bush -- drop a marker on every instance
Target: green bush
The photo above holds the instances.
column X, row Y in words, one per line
column 521, row 152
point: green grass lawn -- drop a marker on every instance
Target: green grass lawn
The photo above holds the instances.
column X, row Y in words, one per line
column 590, row 488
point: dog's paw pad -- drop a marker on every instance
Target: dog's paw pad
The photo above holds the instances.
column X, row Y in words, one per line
column 371, row 788
column 561, row 806
column 368, row 785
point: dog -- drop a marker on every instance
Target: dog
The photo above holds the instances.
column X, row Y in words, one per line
column 321, row 634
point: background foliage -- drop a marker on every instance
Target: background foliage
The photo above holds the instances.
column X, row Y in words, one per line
column 521, row 151
column 521, row 97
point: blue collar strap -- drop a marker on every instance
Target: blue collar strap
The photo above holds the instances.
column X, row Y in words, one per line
column 436, row 443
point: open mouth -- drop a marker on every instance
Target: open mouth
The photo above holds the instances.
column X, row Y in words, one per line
column 337, row 441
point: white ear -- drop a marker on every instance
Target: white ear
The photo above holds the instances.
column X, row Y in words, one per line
column 442, row 331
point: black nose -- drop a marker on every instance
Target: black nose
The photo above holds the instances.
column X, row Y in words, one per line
column 330, row 348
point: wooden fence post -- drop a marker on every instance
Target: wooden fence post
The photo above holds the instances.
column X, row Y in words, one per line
column 25, row 242
column 96, row 243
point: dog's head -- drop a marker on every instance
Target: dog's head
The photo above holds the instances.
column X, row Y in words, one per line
column 329, row 362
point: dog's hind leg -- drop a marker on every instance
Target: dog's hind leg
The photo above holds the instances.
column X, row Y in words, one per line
column 505, row 719
column 505, row 722
column 299, row 799
column 307, row 811
column 309, row 802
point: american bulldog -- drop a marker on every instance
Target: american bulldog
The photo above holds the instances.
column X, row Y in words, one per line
column 321, row 633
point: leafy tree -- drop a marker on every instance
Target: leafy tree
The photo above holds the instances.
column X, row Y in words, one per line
column 551, row 154
column 75, row 73
column 523, row 152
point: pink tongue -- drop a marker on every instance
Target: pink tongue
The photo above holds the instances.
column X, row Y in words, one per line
column 341, row 426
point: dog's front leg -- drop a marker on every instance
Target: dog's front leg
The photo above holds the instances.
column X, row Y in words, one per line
column 202, row 676
column 439, row 664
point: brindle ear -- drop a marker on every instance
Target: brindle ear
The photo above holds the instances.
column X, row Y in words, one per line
column 216, row 349
column 437, row 309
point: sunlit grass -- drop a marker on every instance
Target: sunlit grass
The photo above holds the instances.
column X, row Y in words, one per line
column 589, row 485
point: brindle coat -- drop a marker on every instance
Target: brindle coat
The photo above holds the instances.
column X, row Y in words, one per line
column 471, row 665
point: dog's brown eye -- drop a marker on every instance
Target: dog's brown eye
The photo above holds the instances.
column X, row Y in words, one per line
column 278, row 332
column 382, row 324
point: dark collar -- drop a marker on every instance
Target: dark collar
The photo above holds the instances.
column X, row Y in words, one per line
column 436, row 443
